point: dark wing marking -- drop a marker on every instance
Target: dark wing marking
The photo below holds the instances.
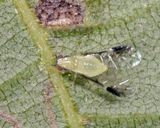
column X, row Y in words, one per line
column 121, row 49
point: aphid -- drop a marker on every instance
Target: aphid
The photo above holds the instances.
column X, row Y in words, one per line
column 87, row 65
column 93, row 64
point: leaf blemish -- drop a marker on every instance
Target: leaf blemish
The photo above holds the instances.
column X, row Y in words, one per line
column 59, row 12
column 48, row 95
column 10, row 119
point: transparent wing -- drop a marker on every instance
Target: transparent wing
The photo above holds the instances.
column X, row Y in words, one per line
column 118, row 82
column 122, row 89
column 128, row 58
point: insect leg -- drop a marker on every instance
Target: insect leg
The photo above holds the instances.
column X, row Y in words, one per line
column 95, row 81
column 99, row 52
column 124, row 82
column 112, row 61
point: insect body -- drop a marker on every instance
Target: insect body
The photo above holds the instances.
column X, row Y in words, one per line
column 93, row 64
column 87, row 65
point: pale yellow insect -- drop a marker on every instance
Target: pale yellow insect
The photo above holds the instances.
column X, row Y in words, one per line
column 88, row 65
column 93, row 64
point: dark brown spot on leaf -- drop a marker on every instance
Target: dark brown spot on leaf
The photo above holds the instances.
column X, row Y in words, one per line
column 59, row 12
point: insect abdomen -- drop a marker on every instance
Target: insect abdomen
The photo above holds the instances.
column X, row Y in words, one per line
column 87, row 65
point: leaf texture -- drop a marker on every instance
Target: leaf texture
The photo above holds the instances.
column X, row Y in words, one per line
column 34, row 94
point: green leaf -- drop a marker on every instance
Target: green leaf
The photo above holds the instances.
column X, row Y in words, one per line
column 34, row 94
